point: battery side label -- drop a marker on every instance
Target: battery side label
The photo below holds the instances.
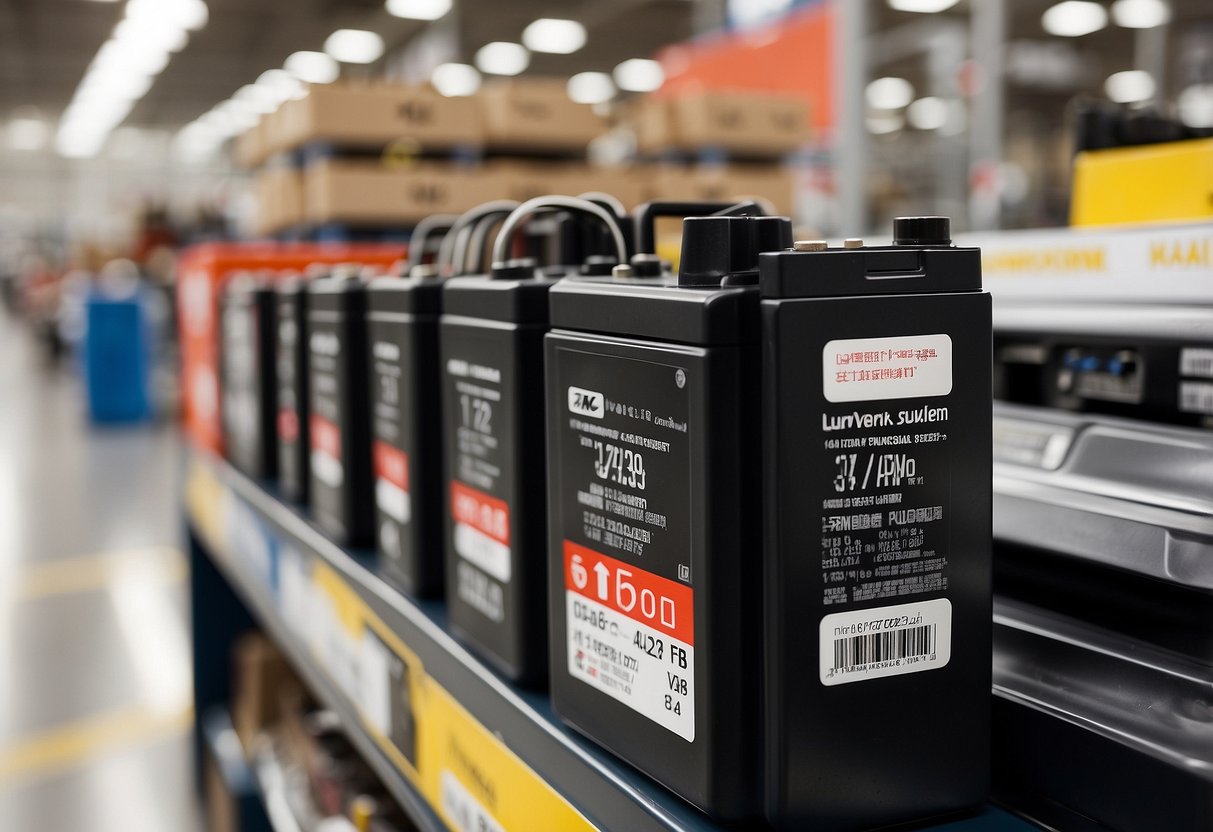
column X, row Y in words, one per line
column 625, row 515
column 392, row 481
column 326, row 451
column 481, row 465
column 1196, row 362
column 631, row 636
column 240, row 382
column 885, row 641
column 871, row 369
column 289, row 400
column 1196, row 397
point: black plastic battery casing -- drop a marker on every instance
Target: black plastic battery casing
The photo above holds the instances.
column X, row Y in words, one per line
column 249, row 391
column 406, row 419
column 491, row 364
column 877, row 491
column 291, row 346
column 655, row 524
column 339, row 422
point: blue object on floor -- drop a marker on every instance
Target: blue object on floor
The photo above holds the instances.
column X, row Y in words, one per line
column 117, row 358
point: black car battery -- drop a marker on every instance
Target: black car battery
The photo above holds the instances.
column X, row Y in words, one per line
column 402, row 330
column 339, row 434
column 491, row 346
column 249, row 405
column 291, row 346
column 653, row 388
column 877, row 466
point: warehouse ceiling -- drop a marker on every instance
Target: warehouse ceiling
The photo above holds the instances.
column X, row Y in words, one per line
column 46, row 45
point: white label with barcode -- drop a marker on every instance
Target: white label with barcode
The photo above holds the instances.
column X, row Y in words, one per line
column 885, row 641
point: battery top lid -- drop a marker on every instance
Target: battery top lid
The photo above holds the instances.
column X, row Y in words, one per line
column 921, row 259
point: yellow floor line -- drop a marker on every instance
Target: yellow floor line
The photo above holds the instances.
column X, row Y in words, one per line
column 76, row 743
column 88, row 573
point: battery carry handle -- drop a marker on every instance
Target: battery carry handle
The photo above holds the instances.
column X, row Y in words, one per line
column 433, row 227
column 647, row 214
column 462, row 227
column 526, row 210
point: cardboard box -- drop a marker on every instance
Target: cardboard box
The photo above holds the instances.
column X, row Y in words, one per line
column 279, row 195
column 249, row 149
column 368, row 193
column 537, row 114
column 746, row 124
column 261, row 677
column 772, row 183
column 374, row 115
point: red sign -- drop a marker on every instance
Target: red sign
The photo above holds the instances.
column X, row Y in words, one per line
column 391, row 464
column 288, row 425
column 649, row 599
column 325, row 436
column 482, row 512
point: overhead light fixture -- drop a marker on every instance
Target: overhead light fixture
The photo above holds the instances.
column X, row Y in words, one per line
column 591, row 88
column 280, row 85
column 454, row 80
column 639, row 75
column 553, row 35
column 1140, row 14
column 922, row 6
column 502, row 58
column 312, row 67
column 882, row 124
column 354, row 46
column 27, row 133
column 149, row 33
column 418, row 9
column 1195, row 104
column 1130, row 86
column 1074, row 18
column 889, row 93
column 927, row 113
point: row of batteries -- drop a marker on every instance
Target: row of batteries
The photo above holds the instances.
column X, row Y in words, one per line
column 737, row 517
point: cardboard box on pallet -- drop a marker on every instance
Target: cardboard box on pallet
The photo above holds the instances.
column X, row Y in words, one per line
column 368, row 193
column 249, row 149
column 375, row 115
column 769, row 182
column 742, row 123
column 537, row 114
column 279, row 194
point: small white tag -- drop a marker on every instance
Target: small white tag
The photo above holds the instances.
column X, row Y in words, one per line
column 871, row 369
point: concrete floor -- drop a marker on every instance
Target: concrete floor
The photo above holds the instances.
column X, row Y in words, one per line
column 95, row 706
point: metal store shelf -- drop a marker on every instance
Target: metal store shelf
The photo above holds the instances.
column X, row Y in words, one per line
column 263, row 547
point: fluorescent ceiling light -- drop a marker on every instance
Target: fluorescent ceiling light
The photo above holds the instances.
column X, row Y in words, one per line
column 554, row 36
column 1074, row 18
column 418, row 9
column 312, row 67
column 1195, row 105
column 591, row 88
column 889, row 93
column 884, row 123
column 27, row 133
column 150, row 33
column 184, row 14
column 639, row 75
column 257, row 99
column 116, row 56
column 1130, row 86
column 125, row 86
column 455, row 79
column 922, row 6
column 1140, row 14
column 280, row 85
column 928, row 113
column 354, row 46
column 502, row 58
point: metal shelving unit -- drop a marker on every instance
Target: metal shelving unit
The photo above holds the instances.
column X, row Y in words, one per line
column 471, row 750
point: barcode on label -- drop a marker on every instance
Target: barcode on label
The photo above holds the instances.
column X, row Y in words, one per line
column 860, row 645
column 857, row 651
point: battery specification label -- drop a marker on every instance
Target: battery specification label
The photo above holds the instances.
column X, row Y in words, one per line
column 886, row 480
column 480, row 512
column 389, row 453
column 624, row 510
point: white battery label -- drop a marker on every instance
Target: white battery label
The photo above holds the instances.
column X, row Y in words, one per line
column 631, row 636
column 885, row 641
column 1196, row 362
column 392, row 481
column 326, row 452
column 481, row 533
column 873, row 369
column 1196, row 397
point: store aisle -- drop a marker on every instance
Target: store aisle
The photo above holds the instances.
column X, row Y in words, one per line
column 94, row 644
